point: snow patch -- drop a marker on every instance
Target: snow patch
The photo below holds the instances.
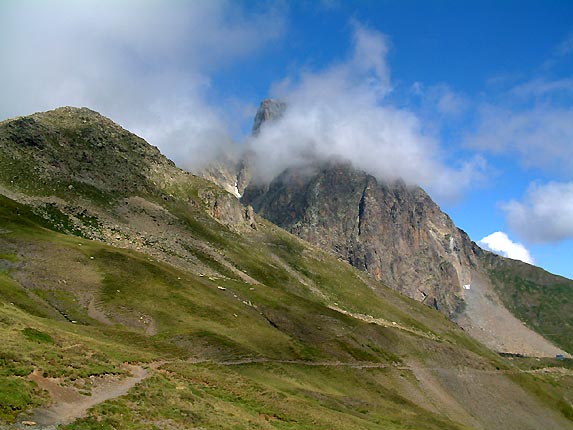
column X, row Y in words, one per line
column 236, row 191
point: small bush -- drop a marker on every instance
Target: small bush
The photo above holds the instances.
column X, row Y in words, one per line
column 37, row 335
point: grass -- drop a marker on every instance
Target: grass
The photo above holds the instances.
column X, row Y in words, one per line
column 201, row 322
column 283, row 317
column 262, row 397
column 37, row 335
column 195, row 318
column 17, row 395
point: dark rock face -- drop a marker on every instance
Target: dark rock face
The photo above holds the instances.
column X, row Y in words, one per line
column 394, row 232
column 269, row 110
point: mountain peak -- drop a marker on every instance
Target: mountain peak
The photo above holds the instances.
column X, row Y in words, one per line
column 269, row 110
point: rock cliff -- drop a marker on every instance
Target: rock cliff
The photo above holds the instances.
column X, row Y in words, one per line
column 394, row 232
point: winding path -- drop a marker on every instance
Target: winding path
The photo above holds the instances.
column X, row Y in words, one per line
column 69, row 405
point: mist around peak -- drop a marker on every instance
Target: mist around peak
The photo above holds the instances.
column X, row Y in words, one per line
column 343, row 112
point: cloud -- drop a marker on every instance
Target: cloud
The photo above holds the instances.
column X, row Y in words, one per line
column 559, row 55
column 501, row 244
column 540, row 86
column 540, row 137
column 545, row 215
column 566, row 47
column 531, row 119
column 451, row 103
column 145, row 63
column 440, row 99
column 342, row 112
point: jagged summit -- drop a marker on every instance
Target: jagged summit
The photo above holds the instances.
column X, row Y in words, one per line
column 269, row 110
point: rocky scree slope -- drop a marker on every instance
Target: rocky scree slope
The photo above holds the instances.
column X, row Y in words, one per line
column 245, row 324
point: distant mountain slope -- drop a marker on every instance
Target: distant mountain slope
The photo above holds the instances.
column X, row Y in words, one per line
column 543, row 300
column 239, row 323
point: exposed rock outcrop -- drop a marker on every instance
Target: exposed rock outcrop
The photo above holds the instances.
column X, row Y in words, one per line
column 269, row 110
column 394, row 232
column 228, row 210
column 230, row 173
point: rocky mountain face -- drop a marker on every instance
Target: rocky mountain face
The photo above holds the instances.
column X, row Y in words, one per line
column 390, row 230
column 399, row 235
column 394, row 232
column 230, row 173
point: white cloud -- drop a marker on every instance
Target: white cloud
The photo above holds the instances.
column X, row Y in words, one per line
column 545, row 215
column 559, row 54
column 540, row 137
column 451, row 103
column 440, row 99
column 343, row 112
column 539, row 87
column 566, row 47
column 144, row 63
column 501, row 244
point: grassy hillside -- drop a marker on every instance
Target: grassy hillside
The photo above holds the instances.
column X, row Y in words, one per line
column 230, row 324
column 283, row 359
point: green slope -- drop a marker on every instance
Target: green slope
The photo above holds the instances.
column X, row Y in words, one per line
column 46, row 328
column 239, row 327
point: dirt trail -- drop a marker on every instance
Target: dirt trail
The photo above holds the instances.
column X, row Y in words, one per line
column 258, row 360
column 414, row 368
column 384, row 323
column 69, row 405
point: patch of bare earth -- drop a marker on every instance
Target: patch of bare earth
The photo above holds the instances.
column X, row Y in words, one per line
column 68, row 405
column 95, row 312
column 496, row 400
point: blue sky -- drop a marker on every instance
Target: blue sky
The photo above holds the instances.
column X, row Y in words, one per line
column 471, row 99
